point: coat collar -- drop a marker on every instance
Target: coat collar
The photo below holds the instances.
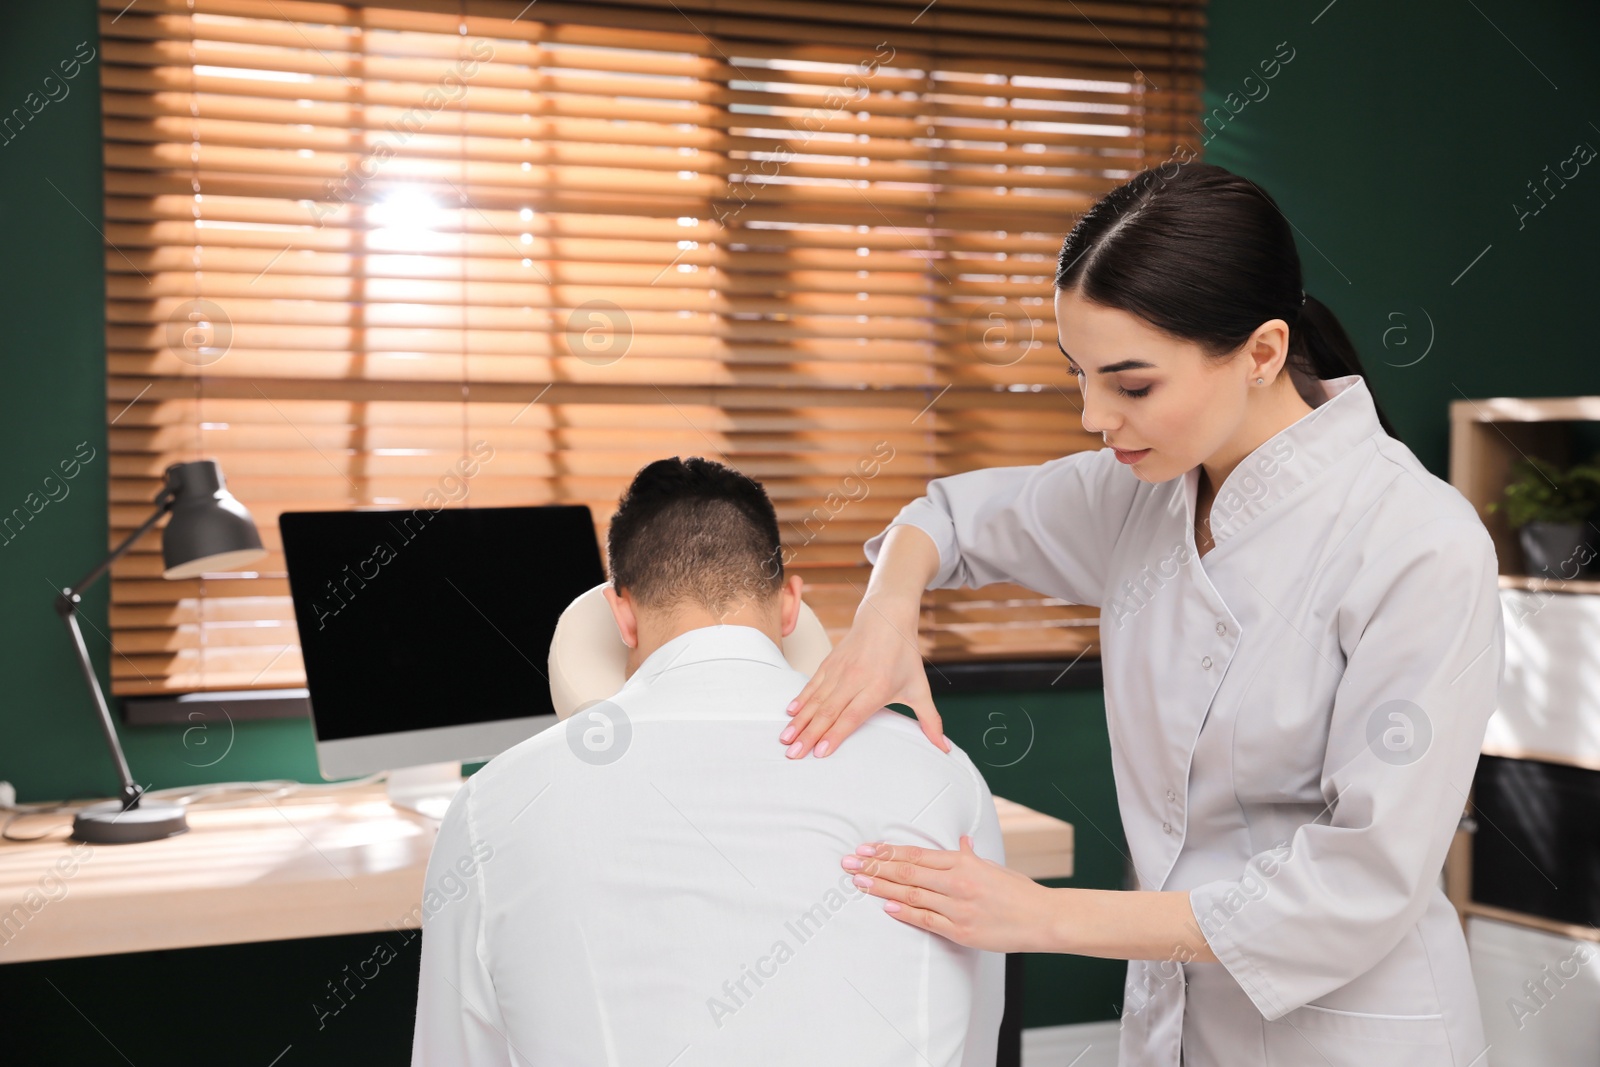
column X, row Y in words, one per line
column 1290, row 458
column 722, row 642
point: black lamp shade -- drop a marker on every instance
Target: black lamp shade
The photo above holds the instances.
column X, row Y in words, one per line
column 209, row 530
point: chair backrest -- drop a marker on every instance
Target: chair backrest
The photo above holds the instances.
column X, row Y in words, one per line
column 589, row 662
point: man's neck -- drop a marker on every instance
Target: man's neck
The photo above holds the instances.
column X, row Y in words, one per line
column 656, row 631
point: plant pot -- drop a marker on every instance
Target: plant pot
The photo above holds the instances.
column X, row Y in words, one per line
column 1556, row 549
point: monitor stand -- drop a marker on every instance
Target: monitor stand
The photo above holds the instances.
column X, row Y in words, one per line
column 426, row 790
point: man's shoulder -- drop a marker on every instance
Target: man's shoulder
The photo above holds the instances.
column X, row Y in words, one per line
column 886, row 730
column 896, row 748
column 892, row 744
column 536, row 751
column 891, row 728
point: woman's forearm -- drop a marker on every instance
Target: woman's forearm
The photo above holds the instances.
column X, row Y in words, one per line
column 907, row 562
column 1127, row 925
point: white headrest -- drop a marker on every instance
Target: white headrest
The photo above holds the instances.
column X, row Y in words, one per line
column 589, row 662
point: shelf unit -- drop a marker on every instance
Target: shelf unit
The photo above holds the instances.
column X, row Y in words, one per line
column 1486, row 438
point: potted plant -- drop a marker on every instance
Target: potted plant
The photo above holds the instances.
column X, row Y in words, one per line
column 1550, row 509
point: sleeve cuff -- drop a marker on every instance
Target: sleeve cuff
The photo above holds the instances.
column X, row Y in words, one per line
column 1209, row 899
column 942, row 539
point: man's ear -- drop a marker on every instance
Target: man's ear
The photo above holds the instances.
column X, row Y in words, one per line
column 622, row 611
column 789, row 610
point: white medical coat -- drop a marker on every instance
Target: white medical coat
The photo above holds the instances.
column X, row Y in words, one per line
column 664, row 887
column 1294, row 718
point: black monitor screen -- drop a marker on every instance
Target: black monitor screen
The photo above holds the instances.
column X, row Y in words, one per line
column 411, row 620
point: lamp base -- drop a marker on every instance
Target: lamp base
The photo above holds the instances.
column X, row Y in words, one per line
column 108, row 823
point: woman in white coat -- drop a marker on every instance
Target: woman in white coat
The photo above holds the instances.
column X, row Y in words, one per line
column 1301, row 642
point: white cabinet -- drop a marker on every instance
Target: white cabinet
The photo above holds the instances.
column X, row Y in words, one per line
column 1549, row 701
column 1549, row 706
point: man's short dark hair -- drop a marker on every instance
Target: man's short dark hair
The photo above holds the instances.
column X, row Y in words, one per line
column 694, row 531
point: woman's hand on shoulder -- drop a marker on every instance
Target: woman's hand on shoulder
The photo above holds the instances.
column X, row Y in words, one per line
column 876, row 663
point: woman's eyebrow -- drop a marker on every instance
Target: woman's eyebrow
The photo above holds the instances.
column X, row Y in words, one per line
column 1127, row 364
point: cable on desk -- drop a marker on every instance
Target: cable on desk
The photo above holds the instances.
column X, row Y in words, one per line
column 22, row 811
column 192, row 797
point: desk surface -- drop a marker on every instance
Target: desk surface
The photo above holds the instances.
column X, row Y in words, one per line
column 318, row 863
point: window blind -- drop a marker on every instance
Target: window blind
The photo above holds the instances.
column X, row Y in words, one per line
column 423, row 254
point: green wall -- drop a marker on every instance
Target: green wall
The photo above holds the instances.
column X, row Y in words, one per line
column 52, row 397
column 1396, row 141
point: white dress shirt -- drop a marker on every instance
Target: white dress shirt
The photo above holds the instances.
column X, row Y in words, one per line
column 653, row 883
column 1295, row 719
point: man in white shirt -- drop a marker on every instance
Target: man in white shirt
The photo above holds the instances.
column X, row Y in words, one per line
column 653, row 882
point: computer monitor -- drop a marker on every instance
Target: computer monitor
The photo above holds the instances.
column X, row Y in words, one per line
column 426, row 634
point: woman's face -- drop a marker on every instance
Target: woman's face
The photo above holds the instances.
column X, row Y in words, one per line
column 1152, row 395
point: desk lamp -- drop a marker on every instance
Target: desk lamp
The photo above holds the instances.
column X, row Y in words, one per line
column 209, row 531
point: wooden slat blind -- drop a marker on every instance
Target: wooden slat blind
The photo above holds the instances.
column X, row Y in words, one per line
column 348, row 245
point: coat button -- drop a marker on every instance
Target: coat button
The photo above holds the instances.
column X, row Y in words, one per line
column 1171, row 796
column 1166, row 828
column 1221, row 629
column 1206, row 663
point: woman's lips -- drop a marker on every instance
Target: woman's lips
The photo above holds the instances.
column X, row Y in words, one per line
column 1130, row 457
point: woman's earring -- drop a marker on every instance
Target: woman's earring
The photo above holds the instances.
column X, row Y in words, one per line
column 1261, row 381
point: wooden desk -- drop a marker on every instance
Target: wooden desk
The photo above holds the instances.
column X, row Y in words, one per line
column 1037, row 845
column 318, row 863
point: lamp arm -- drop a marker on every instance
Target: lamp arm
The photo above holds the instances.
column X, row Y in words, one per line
column 130, row 791
column 67, row 607
column 164, row 501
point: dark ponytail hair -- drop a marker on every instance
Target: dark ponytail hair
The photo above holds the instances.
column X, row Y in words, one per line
column 1206, row 256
